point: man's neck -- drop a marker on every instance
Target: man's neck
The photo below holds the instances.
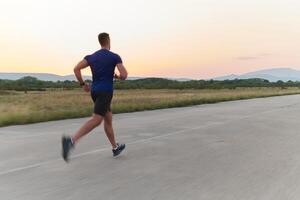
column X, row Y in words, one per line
column 104, row 47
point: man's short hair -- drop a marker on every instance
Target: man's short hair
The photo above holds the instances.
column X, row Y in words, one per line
column 103, row 39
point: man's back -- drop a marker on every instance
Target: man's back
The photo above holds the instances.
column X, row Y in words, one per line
column 103, row 63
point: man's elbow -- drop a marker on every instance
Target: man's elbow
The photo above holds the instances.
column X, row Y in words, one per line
column 76, row 70
column 124, row 76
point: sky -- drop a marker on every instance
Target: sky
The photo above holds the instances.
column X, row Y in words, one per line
column 162, row 38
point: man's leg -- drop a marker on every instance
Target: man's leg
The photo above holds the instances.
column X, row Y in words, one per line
column 117, row 148
column 87, row 127
column 68, row 142
column 109, row 129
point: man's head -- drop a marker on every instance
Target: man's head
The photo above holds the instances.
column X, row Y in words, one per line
column 104, row 40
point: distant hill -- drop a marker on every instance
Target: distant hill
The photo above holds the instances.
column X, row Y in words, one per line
column 40, row 76
column 273, row 75
column 46, row 76
column 54, row 77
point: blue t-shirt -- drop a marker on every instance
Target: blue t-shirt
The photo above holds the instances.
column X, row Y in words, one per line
column 103, row 63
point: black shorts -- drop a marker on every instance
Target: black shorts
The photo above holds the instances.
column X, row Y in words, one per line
column 102, row 101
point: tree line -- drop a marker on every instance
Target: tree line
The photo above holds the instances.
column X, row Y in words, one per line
column 160, row 83
column 33, row 84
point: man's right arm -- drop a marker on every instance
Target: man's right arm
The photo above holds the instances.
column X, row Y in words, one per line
column 77, row 71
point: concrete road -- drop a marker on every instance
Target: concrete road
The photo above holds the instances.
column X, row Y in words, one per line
column 234, row 150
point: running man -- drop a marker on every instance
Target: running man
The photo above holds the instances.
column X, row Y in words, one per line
column 102, row 64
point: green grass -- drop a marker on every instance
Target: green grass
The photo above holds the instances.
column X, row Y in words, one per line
column 23, row 108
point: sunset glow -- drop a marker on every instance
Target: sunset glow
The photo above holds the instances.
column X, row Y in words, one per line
column 171, row 38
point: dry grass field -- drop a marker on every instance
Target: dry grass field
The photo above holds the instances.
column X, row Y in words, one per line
column 22, row 108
